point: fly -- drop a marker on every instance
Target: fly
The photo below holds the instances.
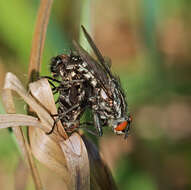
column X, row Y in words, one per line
column 84, row 82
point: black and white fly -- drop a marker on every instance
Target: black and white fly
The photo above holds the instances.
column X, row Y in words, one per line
column 84, row 82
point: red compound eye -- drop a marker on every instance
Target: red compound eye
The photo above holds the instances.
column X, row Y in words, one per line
column 122, row 126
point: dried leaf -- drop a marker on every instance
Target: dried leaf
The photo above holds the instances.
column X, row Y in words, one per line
column 14, row 120
column 48, row 152
column 23, row 144
column 42, row 92
column 21, row 176
column 13, row 83
column 78, row 162
column 69, row 158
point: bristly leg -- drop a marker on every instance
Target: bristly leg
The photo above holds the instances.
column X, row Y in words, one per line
column 97, row 124
column 50, row 78
column 60, row 116
column 87, row 124
column 127, row 131
column 55, row 89
column 53, row 127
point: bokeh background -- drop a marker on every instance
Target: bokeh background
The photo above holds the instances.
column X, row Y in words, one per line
column 149, row 43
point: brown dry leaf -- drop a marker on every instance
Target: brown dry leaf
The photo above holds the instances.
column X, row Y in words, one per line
column 68, row 158
column 42, row 92
column 21, row 176
column 77, row 159
column 23, row 144
column 13, row 83
column 14, row 120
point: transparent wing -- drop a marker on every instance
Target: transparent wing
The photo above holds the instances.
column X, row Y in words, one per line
column 94, row 67
column 97, row 52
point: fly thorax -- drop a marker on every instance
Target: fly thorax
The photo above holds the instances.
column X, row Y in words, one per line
column 88, row 75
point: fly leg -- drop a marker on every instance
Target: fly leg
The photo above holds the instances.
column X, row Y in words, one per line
column 52, row 79
column 127, row 130
column 60, row 82
column 97, row 124
column 60, row 116
column 55, row 89
column 87, row 124
column 53, row 127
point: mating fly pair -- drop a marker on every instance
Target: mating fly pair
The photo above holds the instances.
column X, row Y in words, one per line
column 83, row 82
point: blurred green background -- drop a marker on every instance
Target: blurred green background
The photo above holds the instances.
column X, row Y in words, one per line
column 149, row 43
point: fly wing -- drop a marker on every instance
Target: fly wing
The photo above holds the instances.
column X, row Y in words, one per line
column 97, row 52
column 94, row 67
